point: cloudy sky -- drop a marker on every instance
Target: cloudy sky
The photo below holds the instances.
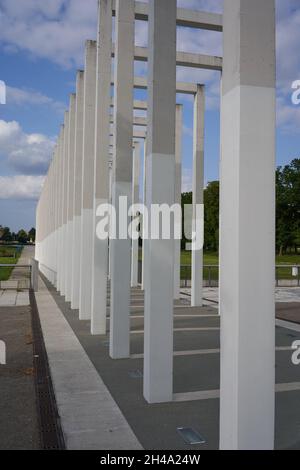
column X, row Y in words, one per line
column 42, row 46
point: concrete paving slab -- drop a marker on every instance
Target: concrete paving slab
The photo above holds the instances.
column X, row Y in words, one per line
column 8, row 299
column 22, row 299
column 9, row 284
column 18, row 411
column 282, row 294
column 155, row 425
column 85, row 427
column 288, row 311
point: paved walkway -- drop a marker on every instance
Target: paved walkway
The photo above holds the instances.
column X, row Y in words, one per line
column 18, row 412
column 196, row 377
column 13, row 296
column 90, row 418
column 282, row 294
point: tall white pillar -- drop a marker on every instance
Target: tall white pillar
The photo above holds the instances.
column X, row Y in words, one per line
column 103, row 100
column 56, row 204
column 87, row 222
column 70, row 209
column 159, row 285
column 59, row 197
column 135, row 200
column 144, row 202
column 198, row 196
column 77, row 194
column 178, row 159
column 122, row 178
column 64, row 259
column 248, row 226
column 110, row 179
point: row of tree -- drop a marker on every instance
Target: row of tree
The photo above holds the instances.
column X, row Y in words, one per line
column 287, row 213
column 23, row 237
column 287, row 210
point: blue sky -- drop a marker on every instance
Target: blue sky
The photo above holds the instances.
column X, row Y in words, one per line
column 42, row 46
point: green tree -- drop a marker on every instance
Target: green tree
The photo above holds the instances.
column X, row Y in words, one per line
column 211, row 216
column 22, row 236
column 5, row 234
column 288, row 207
column 186, row 199
column 31, row 234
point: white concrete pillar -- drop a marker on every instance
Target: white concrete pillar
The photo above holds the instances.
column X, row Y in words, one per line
column 77, row 193
column 122, row 177
column 60, row 209
column 248, row 226
column 198, row 195
column 64, row 259
column 103, row 100
column 56, row 201
column 159, row 286
column 135, row 200
column 178, row 160
column 144, row 202
column 110, row 202
column 71, row 175
column 87, row 214
column 58, row 182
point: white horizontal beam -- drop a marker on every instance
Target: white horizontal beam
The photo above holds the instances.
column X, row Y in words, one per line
column 186, row 88
column 136, row 134
column 183, row 59
column 137, row 104
column 185, row 17
column 137, row 121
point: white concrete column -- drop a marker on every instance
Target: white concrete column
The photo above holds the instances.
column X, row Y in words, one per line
column 60, row 209
column 110, row 202
column 144, row 202
column 55, row 218
column 87, row 214
column 64, row 259
column 71, row 175
column 77, row 193
column 122, row 177
column 103, row 100
column 248, row 226
column 135, row 200
column 178, row 160
column 198, row 195
column 159, row 286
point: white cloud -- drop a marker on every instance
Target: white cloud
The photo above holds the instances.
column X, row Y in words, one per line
column 18, row 96
column 57, row 29
column 21, row 187
column 288, row 117
column 25, row 153
column 50, row 29
column 186, row 180
column 288, row 64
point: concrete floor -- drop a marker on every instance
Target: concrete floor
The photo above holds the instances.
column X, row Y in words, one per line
column 282, row 294
column 12, row 294
column 13, row 298
column 196, row 378
column 18, row 410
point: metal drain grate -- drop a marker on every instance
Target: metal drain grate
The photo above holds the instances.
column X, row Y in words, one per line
column 190, row 436
column 49, row 421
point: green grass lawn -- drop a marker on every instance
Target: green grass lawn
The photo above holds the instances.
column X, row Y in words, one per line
column 8, row 258
column 7, row 252
column 211, row 259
